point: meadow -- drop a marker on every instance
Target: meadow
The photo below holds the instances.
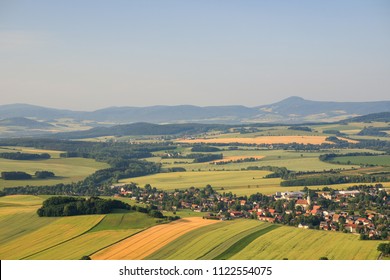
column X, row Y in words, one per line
column 66, row 170
column 383, row 160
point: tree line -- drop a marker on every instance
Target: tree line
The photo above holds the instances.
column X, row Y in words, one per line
column 58, row 206
column 24, row 156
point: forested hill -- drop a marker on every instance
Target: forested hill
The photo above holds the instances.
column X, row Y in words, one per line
column 24, row 122
column 290, row 110
column 377, row 117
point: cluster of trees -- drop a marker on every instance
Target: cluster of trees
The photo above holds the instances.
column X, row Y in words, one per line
column 176, row 169
column 331, row 180
column 205, row 157
column 44, row 174
column 332, row 156
column 333, row 131
column 249, row 159
column 101, row 151
column 336, row 140
column 15, row 175
column 57, row 206
column 301, row 128
column 98, row 183
column 204, row 149
column 24, row 156
column 374, row 131
column 384, row 248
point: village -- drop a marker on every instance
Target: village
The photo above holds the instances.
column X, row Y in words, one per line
column 362, row 209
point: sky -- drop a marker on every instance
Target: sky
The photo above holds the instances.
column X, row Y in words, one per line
column 91, row 54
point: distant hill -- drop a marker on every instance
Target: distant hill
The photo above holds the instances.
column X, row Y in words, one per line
column 297, row 109
column 25, row 123
column 291, row 110
column 377, row 117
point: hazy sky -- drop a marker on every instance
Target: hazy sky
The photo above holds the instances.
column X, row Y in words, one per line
column 94, row 54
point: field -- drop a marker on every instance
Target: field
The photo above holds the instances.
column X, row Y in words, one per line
column 208, row 242
column 383, row 160
column 150, row 240
column 286, row 139
column 67, row 170
column 249, row 239
column 302, row 244
column 130, row 235
column 217, row 179
column 24, row 235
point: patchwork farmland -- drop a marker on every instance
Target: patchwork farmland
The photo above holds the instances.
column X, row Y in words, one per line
column 229, row 189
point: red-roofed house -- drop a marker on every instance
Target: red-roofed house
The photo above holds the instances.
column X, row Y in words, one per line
column 303, row 203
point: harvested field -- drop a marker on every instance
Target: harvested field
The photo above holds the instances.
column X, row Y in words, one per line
column 236, row 158
column 150, row 240
column 306, row 139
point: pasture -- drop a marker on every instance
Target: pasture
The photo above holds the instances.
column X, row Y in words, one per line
column 383, row 160
column 67, row 170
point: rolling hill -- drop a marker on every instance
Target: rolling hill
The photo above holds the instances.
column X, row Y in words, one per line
column 291, row 110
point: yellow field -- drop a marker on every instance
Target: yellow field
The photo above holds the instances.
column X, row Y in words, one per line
column 145, row 243
column 305, row 139
column 53, row 234
column 83, row 245
column 234, row 158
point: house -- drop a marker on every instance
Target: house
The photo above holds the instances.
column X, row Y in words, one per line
column 302, row 203
column 316, row 210
column 351, row 228
column 362, row 221
column 324, row 226
column 267, row 219
column 303, row 226
column 336, row 218
column 236, row 214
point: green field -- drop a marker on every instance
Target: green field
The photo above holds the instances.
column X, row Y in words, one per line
column 293, row 160
column 123, row 221
column 24, row 235
column 383, row 160
column 217, row 179
column 251, row 240
column 206, row 241
column 67, row 170
column 302, row 244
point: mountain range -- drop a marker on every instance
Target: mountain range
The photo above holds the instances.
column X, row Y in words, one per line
column 291, row 110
